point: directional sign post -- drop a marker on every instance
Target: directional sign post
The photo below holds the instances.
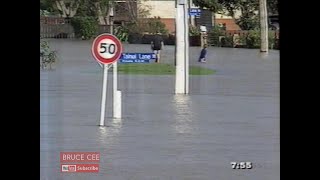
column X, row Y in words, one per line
column 195, row 12
column 106, row 49
column 137, row 57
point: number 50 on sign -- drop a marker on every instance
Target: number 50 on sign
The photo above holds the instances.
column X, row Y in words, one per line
column 106, row 48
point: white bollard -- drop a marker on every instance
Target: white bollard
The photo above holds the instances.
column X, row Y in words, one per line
column 104, row 94
column 117, row 112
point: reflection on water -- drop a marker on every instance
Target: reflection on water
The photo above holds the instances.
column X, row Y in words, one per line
column 108, row 134
column 264, row 55
column 183, row 115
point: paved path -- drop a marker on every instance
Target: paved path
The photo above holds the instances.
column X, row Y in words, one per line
column 232, row 115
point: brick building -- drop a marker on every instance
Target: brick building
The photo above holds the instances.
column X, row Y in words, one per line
column 165, row 9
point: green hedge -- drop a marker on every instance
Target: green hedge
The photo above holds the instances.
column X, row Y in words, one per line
column 85, row 27
column 213, row 36
column 249, row 40
column 253, row 39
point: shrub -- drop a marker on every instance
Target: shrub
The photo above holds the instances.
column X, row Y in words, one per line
column 227, row 41
column 155, row 25
column 44, row 47
column 150, row 26
column 242, row 40
column 272, row 40
column 194, row 31
column 253, row 39
column 137, row 30
column 248, row 22
column 47, row 57
column 213, row 36
column 122, row 33
column 135, row 38
column 85, row 27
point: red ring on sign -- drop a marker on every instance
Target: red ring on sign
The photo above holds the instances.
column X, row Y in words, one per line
column 96, row 54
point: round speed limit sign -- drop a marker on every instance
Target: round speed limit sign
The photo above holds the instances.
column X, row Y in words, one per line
column 106, row 48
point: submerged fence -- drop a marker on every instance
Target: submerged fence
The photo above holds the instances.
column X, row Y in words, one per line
column 52, row 27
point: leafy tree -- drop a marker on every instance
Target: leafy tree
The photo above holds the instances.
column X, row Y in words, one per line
column 85, row 27
column 249, row 10
column 66, row 8
column 45, row 5
column 248, row 21
column 95, row 8
column 213, row 5
column 273, row 6
column 133, row 10
column 102, row 8
column 80, row 8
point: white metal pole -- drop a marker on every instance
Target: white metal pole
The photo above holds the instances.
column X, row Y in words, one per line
column 181, row 40
column 180, row 46
column 186, row 49
column 117, row 113
column 264, row 26
column 116, row 95
column 115, row 75
column 115, row 87
column 192, row 18
column 104, row 94
column 100, row 64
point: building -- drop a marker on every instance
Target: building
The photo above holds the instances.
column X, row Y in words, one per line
column 165, row 9
column 228, row 21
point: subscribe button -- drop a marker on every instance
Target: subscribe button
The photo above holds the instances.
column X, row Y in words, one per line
column 80, row 168
column 79, row 161
column 73, row 157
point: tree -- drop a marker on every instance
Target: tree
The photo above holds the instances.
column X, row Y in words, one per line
column 71, row 8
column 95, row 8
column 46, row 5
column 249, row 10
column 102, row 8
column 132, row 9
column 273, row 6
column 213, row 5
column 231, row 6
column 67, row 8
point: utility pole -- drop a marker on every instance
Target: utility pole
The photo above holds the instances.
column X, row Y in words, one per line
column 264, row 47
column 116, row 94
column 192, row 18
column 182, row 48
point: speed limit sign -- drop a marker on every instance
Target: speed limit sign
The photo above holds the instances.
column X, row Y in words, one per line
column 106, row 48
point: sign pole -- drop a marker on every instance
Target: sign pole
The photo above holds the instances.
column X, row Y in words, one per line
column 104, row 94
column 182, row 61
column 107, row 49
column 116, row 95
column 116, row 98
column 192, row 18
column 186, row 49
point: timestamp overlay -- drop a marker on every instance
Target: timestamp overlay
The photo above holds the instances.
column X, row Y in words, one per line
column 241, row 165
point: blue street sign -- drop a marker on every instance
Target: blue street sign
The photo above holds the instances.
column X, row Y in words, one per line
column 137, row 57
column 194, row 12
